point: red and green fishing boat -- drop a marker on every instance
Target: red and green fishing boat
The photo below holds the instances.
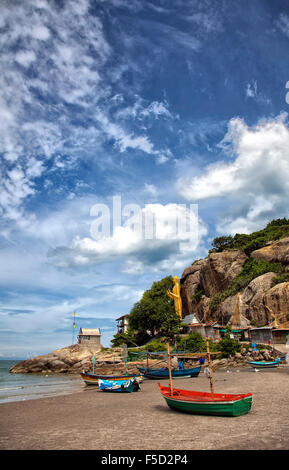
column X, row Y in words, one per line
column 202, row 403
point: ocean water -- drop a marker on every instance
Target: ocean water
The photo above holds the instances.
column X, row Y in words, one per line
column 19, row 387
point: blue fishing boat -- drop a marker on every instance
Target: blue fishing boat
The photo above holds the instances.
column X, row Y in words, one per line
column 263, row 364
column 93, row 379
column 164, row 373
column 126, row 386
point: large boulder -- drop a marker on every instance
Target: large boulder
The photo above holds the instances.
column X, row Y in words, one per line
column 276, row 252
column 209, row 276
column 277, row 299
column 252, row 301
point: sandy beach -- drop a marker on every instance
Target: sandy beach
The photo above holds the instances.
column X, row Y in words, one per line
column 89, row 419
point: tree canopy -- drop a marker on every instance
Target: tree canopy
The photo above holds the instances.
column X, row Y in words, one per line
column 274, row 230
column 155, row 311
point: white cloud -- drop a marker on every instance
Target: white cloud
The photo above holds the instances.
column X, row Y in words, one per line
column 209, row 22
column 25, row 58
column 283, row 23
column 157, row 109
column 252, row 92
column 255, row 180
column 151, row 189
column 143, row 242
column 40, row 32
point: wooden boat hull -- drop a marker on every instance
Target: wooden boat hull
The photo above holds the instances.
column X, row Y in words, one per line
column 202, row 403
column 164, row 373
column 262, row 364
column 92, row 379
column 117, row 386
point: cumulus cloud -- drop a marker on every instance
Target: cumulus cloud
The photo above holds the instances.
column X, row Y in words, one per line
column 254, row 179
column 152, row 237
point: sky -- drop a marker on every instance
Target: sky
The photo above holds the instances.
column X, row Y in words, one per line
column 116, row 111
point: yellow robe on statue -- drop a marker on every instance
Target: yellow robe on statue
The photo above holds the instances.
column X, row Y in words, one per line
column 176, row 296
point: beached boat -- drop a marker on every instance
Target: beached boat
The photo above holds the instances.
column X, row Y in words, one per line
column 263, row 364
column 92, row 379
column 126, row 386
column 203, row 403
column 164, row 373
column 217, row 404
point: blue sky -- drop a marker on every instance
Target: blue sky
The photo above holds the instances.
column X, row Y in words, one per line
column 157, row 102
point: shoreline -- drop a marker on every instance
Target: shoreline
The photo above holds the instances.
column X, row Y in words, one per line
column 92, row 420
column 40, row 386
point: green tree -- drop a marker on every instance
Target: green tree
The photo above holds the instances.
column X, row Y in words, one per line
column 222, row 243
column 155, row 311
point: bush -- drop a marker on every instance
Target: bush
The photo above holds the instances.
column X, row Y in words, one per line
column 156, row 346
column 284, row 277
column 229, row 346
column 254, row 245
column 192, row 342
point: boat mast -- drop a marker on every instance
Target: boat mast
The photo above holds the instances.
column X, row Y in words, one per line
column 209, row 367
column 170, row 369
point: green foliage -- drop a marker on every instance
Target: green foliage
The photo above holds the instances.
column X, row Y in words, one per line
column 222, row 243
column 156, row 346
column 253, row 245
column 274, row 230
column 121, row 338
column 229, row 346
column 284, row 277
column 155, row 311
column 217, row 298
column 198, row 294
column 192, row 342
column 278, row 223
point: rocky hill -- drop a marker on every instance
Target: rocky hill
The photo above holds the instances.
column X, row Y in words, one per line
column 209, row 287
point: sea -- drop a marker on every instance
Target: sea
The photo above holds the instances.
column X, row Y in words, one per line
column 20, row 387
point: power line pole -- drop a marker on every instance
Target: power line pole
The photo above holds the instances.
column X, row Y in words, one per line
column 73, row 328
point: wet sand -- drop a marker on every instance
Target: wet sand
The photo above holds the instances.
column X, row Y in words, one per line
column 89, row 419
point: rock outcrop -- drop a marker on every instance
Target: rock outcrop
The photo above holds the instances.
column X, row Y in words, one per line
column 275, row 252
column 72, row 360
column 209, row 276
column 214, row 274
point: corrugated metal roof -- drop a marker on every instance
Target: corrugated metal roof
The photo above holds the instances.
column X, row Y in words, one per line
column 190, row 319
column 90, row 331
column 262, row 328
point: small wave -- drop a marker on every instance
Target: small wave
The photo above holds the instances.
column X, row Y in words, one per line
column 10, row 388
